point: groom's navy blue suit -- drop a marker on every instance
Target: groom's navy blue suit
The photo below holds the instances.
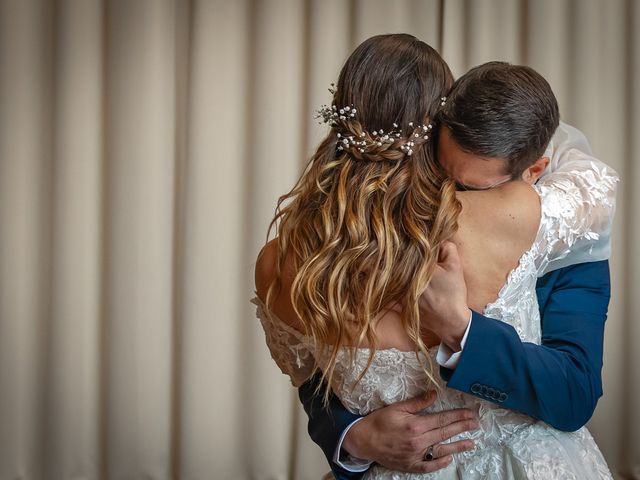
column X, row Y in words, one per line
column 558, row 382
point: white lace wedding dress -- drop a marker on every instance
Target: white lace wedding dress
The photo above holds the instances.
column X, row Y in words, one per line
column 577, row 205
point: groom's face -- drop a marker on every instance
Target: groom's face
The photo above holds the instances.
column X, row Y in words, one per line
column 471, row 172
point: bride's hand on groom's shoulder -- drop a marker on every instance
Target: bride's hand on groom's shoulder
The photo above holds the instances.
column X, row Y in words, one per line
column 443, row 304
column 398, row 436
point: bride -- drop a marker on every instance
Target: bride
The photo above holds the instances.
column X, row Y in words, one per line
column 360, row 234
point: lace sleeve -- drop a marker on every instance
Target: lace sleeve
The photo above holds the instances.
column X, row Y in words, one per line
column 578, row 204
column 291, row 350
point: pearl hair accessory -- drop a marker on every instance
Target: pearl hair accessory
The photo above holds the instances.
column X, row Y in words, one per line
column 379, row 137
column 334, row 115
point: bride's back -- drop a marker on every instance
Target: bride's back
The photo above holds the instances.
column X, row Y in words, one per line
column 496, row 227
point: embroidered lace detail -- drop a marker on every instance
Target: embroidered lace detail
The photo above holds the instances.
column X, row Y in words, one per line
column 290, row 349
column 578, row 206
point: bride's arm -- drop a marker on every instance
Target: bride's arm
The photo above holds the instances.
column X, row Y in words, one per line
column 292, row 351
column 579, row 194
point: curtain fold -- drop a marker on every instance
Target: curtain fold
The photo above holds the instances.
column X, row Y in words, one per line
column 143, row 146
column 72, row 406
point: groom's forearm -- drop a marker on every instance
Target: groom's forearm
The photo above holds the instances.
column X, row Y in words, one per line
column 558, row 381
column 546, row 383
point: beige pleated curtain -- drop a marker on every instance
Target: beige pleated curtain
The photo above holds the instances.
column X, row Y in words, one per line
column 143, row 144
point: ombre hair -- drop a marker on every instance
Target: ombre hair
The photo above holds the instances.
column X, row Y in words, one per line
column 363, row 230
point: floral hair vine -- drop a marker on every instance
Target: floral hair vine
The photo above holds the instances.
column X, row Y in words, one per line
column 333, row 115
column 379, row 137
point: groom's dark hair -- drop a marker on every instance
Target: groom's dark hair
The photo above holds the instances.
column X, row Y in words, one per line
column 501, row 110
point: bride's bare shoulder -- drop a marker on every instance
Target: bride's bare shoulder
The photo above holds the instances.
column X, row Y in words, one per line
column 512, row 208
column 265, row 270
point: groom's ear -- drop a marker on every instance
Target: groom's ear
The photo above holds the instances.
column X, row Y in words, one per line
column 532, row 174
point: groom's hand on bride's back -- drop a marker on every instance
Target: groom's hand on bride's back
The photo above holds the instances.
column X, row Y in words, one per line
column 444, row 301
column 398, row 436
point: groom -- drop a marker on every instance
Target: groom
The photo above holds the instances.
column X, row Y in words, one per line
column 559, row 381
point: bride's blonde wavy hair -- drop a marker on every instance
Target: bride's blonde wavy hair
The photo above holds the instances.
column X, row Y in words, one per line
column 363, row 229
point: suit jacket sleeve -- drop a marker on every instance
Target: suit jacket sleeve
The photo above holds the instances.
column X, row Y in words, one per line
column 327, row 424
column 559, row 381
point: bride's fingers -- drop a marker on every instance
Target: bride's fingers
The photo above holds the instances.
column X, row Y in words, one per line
column 444, row 449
